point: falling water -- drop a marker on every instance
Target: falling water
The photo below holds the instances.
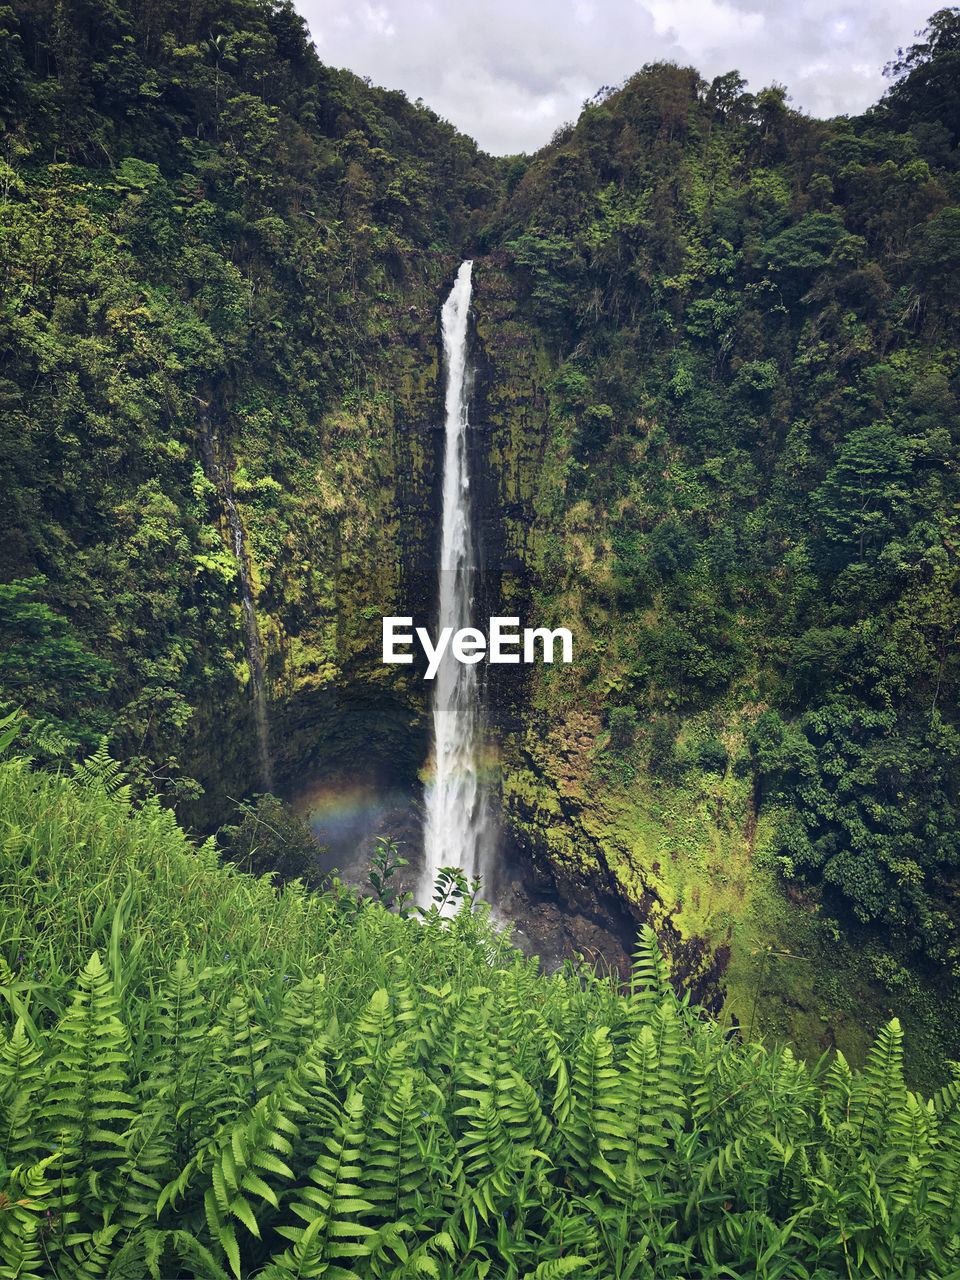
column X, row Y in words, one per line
column 456, row 833
column 220, row 475
column 254, row 647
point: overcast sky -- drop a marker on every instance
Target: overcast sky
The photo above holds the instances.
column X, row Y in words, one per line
column 509, row 72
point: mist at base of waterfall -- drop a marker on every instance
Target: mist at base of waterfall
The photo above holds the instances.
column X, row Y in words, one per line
column 347, row 817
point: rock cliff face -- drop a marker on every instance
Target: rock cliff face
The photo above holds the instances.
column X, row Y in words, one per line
column 587, row 851
column 565, row 839
column 363, row 546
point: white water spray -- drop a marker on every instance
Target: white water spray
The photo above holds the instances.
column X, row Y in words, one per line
column 457, row 824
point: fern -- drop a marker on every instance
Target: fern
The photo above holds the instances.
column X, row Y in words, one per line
column 9, row 727
column 671, row 1104
column 523, row 1117
column 594, row 1126
column 485, row 1142
column 89, row 1105
column 236, row 1064
column 562, row 1097
column 23, row 1202
column 558, row 1268
column 645, row 1139
column 943, row 1195
column 375, row 1028
column 880, row 1091
column 47, row 739
column 20, row 1078
column 88, row 1256
column 426, row 1106
column 238, row 1167
column 396, row 1181
column 156, row 1252
column 837, row 1098
column 651, row 974
column 305, row 1013
column 182, row 1023
column 330, row 1207
column 101, row 773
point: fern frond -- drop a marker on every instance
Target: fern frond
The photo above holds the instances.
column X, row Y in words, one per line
column 485, row 1143
column 395, row 1176
column 837, row 1097
column 19, row 1081
column 561, row 1102
column 100, row 772
column 23, row 1204
column 523, row 1115
column 374, row 1029
column 880, row 1091
column 558, row 1268
column 645, row 1139
column 89, row 1104
column 594, row 1127
column 89, row 1256
column 331, row 1206
column 304, row 1015
column 154, row 1252
column 672, row 1103
column 650, row 984
column 943, row 1194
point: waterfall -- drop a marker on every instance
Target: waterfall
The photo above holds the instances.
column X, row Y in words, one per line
column 254, row 647
column 220, row 475
column 457, row 823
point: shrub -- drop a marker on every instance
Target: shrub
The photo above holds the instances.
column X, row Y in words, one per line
column 712, row 756
column 270, row 837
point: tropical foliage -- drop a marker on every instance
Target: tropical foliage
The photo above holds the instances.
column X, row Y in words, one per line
column 203, row 1076
column 717, row 344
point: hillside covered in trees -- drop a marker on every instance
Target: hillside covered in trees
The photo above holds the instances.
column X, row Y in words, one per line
column 717, row 430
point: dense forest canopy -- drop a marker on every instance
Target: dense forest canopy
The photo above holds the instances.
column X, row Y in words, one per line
column 753, row 316
column 199, row 219
column 221, row 261
column 716, row 406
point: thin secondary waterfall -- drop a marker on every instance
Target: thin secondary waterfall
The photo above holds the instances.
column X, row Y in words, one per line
column 456, row 832
column 219, row 473
column 254, row 647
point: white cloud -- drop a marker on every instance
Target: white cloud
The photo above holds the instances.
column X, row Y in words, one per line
column 511, row 72
column 701, row 27
column 376, row 20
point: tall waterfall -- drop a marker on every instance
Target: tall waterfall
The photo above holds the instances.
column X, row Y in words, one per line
column 457, row 825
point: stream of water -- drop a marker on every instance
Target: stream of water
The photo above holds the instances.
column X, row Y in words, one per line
column 457, row 828
column 454, row 826
column 220, row 475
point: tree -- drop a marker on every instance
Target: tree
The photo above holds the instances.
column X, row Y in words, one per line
column 926, row 77
column 857, row 503
column 726, row 96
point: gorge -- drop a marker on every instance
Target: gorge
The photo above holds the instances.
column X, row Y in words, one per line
column 713, row 433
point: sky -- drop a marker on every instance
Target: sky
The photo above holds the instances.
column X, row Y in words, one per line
column 510, row 72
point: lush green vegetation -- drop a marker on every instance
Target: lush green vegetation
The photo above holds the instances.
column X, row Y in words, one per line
column 718, row 341
column 755, row 394
column 749, row 491
column 204, row 1076
column 205, row 240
